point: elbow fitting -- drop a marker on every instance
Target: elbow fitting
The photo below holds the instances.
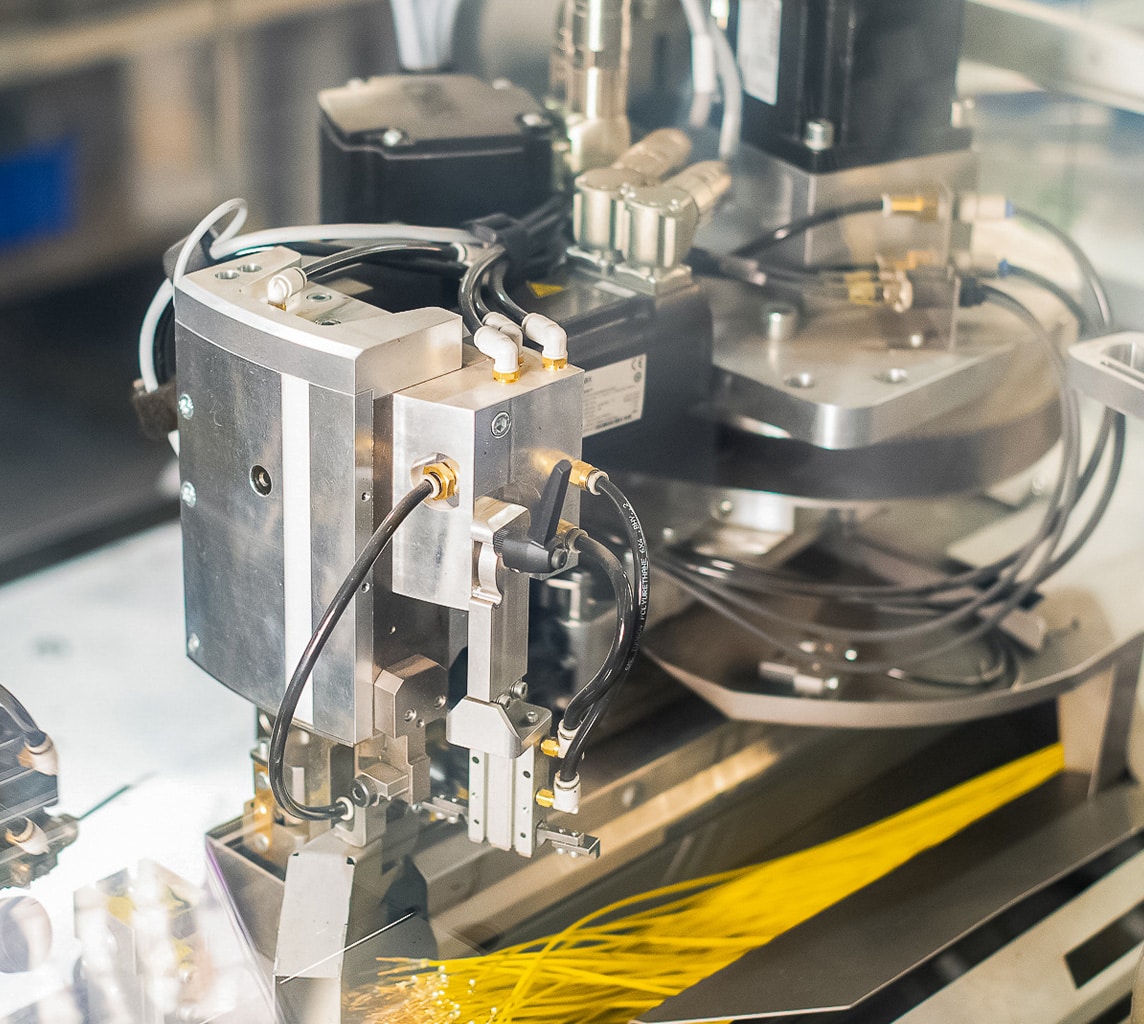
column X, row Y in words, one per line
column 566, row 795
column 550, row 336
column 507, row 326
column 41, row 757
column 502, row 350
column 284, row 285
column 28, row 837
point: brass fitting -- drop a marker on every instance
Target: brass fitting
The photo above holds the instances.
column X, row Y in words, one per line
column 924, row 205
column 545, row 797
column 549, row 747
column 555, row 364
column 585, row 476
column 445, row 478
column 506, row 378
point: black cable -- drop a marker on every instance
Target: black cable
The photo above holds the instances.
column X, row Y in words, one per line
column 506, row 303
column 21, row 718
column 808, row 223
column 1001, row 597
column 1060, row 294
column 468, row 292
column 363, row 253
column 555, row 206
column 1084, row 264
column 637, row 542
column 570, row 764
column 276, row 758
column 595, row 553
column 1097, row 514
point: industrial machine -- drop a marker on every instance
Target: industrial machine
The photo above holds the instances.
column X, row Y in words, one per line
column 559, row 396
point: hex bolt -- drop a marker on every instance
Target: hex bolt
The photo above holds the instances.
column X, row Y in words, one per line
column 531, row 717
column 818, row 135
column 519, row 690
column 410, row 715
column 186, row 406
column 187, row 494
column 501, row 424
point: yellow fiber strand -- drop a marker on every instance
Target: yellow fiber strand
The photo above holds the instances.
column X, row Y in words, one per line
column 610, row 966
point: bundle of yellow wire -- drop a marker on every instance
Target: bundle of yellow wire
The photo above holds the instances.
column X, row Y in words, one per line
column 628, row 957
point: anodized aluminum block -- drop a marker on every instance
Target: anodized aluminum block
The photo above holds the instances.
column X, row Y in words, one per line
column 502, row 441
column 282, row 481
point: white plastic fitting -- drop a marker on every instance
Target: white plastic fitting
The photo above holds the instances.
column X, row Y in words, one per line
column 30, row 838
column 43, row 758
column 548, row 334
column 506, row 325
column 564, row 738
column 973, row 207
column 566, row 795
column 285, row 284
column 500, row 348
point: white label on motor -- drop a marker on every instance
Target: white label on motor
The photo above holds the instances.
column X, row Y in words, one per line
column 614, row 395
column 760, row 28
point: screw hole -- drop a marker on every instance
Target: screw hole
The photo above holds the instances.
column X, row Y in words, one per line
column 227, row 275
column 528, row 775
column 260, row 480
column 250, row 268
column 319, row 297
column 800, row 380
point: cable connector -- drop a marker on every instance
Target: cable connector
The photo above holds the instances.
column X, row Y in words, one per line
column 890, row 288
column 501, row 229
column 566, row 795
column 564, row 740
column 41, row 757
column 925, row 205
column 586, row 476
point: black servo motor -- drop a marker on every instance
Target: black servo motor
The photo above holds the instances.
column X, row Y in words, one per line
column 432, row 149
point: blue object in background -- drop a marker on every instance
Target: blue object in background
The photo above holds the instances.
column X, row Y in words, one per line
column 37, row 193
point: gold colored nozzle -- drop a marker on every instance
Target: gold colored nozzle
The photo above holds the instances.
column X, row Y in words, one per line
column 545, row 797
column 550, row 747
